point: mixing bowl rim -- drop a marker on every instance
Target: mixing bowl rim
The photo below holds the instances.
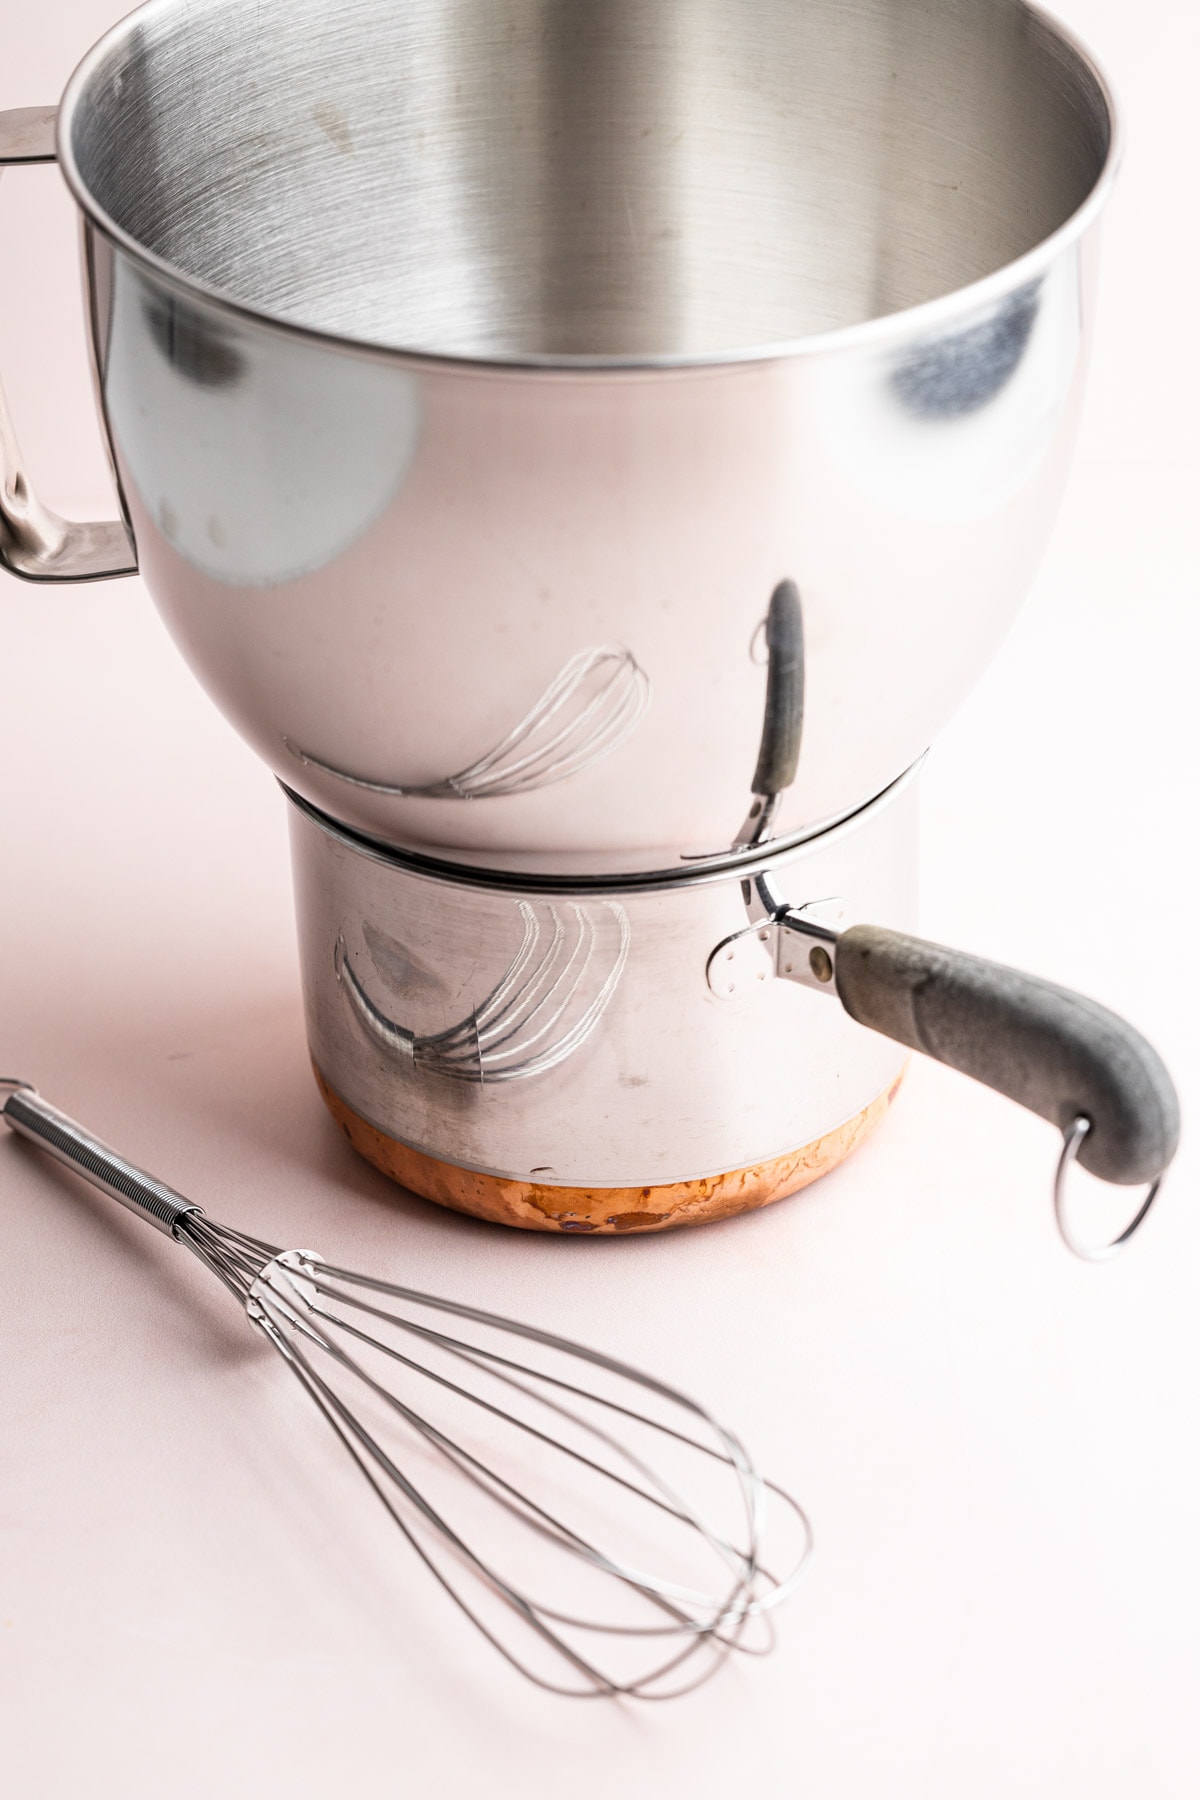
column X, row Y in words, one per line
column 924, row 319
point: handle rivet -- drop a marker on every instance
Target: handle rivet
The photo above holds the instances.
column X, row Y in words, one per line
column 821, row 963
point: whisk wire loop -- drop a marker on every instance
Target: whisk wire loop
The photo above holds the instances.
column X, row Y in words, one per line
column 540, row 1518
column 361, row 1442
column 564, row 1500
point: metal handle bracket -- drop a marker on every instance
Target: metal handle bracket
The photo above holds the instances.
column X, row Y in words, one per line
column 1055, row 1052
column 790, row 943
column 35, row 542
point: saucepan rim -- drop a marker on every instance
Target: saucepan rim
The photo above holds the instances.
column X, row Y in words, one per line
column 596, row 885
column 926, row 318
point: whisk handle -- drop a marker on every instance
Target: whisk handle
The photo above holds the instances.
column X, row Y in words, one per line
column 68, row 1143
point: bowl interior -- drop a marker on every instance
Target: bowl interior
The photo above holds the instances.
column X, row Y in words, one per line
column 641, row 178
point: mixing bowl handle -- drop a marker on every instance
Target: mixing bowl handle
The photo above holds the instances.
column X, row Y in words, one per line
column 1053, row 1051
column 34, row 542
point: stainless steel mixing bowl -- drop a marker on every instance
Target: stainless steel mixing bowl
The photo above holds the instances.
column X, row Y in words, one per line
column 474, row 370
column 523, row 410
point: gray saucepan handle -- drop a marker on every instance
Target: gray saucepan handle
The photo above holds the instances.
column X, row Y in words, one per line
column 1053, row 1051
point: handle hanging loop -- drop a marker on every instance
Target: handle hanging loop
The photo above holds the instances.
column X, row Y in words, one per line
column 1072, row 1141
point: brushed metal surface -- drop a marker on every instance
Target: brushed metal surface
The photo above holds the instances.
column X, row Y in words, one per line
column 447, row 348
column 539, row 178
column 667, row 1083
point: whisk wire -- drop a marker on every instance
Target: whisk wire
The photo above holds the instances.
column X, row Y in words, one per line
column 362, row 1449
column 480, row 1356
column 732, row 1453
column 743, row 1563
column 670, row 1601
column 541, row 1519
column 360, row 1442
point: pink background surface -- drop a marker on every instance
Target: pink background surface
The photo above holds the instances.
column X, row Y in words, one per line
column 997, row 1446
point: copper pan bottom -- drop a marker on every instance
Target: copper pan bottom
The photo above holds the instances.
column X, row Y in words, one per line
column 533, row 1207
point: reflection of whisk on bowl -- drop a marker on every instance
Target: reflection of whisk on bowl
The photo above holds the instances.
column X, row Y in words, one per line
column 547, row 1002
column 593, row 703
